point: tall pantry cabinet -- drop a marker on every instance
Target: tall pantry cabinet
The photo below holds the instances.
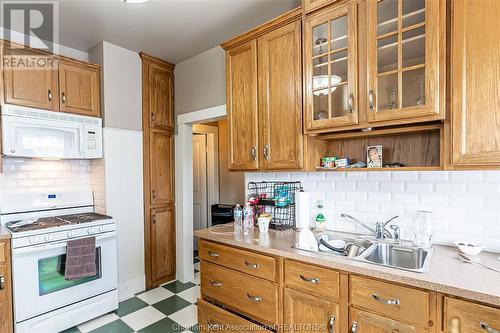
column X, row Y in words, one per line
column 159, row 195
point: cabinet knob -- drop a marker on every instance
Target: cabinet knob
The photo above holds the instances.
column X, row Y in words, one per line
column 152, row 117
column 266, row 152
column 487, row 328
column 310, row 280
column 252, row 266
column 354, row 327
column 385, row 301
column 371, row 100
column 2, row 282
column 350, row 104
column 213, row 254
column 154, row 219
column 49, row 95
column 63, row 97
column 216, row 283
column 253, row 152
column 154, row 194
column 254, row 298
column 331, row 324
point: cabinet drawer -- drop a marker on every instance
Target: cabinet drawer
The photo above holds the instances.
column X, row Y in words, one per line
column 312, row 279
column 253, row 297
column 407, row 304
column 247, row 262
column 213, row 318
column 3, row 251
column 466, row 317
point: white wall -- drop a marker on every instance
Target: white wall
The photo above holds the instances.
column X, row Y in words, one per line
column 121, row 170
column 465, row 205
column 200, row 82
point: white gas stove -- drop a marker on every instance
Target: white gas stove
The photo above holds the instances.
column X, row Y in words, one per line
column 41, row 225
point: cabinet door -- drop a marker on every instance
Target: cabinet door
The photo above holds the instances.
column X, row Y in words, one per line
column 241, row 99
column 330, row 67
column 79, row 88
column 280, row 98
column 307, row 313
column 475, row 88
column 310, row 5
column 161, row 159
column 27, row 85
column 366, row 322
column 466, row 317
column 160, row 99
column 406, row 60
column 163, row 244
column 5, row 289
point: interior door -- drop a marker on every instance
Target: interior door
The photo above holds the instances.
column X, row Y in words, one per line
column 160, row 99
column 475, row 86
column 200, row 203
column 405, row 59
column 280, row 98
column 242, row 113
column 162, row 167
column 366, row 322
column 330, row 65
column 36, row 87
column 306, row 313
column 79, row 89
column 163, row 243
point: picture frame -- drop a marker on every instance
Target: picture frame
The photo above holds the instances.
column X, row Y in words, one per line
column 374, row 156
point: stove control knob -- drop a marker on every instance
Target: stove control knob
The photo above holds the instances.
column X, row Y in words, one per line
column 101, row 229
column 32, row 240
column 89, row 231
column 47, row 238
column 70, row 234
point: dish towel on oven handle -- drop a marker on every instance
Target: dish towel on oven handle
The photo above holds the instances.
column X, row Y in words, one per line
column 80, row 258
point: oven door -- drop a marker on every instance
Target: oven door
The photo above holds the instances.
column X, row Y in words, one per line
column 38, row 276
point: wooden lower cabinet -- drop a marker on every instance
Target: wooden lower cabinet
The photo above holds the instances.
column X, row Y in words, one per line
column 163, row 243
column 466, row 317
column 367, row 322
column 308, row 313
column 6, row 316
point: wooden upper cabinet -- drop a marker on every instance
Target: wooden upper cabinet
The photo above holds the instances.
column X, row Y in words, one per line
column 163, row 243
column 280, row 98
column 310, row 5
column 330, row 68
column 475, row 86
column 161, row 160
column 242, row 114
column 467, row 317
column 307, row 313
column 161, row 99
column 366, row 322
column 27, row 85
column 406, row 60
column 79, row 88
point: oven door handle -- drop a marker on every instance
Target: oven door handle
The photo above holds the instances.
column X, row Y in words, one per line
column 51, row 246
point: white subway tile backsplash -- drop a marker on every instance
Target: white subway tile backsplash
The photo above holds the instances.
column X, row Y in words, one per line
column 465, row 204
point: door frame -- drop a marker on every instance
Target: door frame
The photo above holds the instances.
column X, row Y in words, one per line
column 184, row 186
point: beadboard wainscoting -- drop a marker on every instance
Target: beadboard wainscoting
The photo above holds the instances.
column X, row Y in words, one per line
column 465, row 204
column 39, row 176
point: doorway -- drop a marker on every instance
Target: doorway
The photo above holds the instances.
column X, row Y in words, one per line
column 205, row 175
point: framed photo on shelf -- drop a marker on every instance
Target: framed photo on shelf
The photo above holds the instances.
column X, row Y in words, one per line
column 374, row 156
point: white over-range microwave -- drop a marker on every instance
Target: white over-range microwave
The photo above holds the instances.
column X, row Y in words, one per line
column 35, row 133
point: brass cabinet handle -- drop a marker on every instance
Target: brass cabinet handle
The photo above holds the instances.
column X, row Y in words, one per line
column 2, row 282
column 253, row 152
column 371, row 99
column 385, row 301
column 152, row 117
column 252, row 266
column 254, row 298
column 154, row 219
column 63, row 97
column 487, row 328
column 216, row 283
column 331, row 324
column 154, row 194
column 49, row 95
column 213, row 254
column 354, row 327
column 266, row 152
column 310, row 280
column 350, row 104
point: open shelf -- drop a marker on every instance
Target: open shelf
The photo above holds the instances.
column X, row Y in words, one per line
column 422, row 168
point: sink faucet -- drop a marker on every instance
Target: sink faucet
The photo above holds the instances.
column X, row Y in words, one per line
column 380, row 231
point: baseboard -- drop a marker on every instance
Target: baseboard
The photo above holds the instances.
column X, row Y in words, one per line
column 129, row 288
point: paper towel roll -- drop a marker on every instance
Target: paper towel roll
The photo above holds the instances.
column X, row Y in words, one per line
column 302, row 215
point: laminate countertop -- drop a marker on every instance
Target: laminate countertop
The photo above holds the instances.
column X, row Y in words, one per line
column 447, row 274
column 4, row 234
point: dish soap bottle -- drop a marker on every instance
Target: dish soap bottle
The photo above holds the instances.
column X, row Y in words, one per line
column 320, row 215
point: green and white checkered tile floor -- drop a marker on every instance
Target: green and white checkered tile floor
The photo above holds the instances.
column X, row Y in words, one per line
column 168, row 308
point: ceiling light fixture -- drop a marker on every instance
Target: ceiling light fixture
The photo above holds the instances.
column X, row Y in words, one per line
column 135, row 1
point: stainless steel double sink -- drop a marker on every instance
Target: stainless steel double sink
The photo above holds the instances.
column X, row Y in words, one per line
column 380, row 252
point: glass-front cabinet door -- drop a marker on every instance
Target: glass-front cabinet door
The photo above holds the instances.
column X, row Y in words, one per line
column 331, row 68
column 405, row 56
